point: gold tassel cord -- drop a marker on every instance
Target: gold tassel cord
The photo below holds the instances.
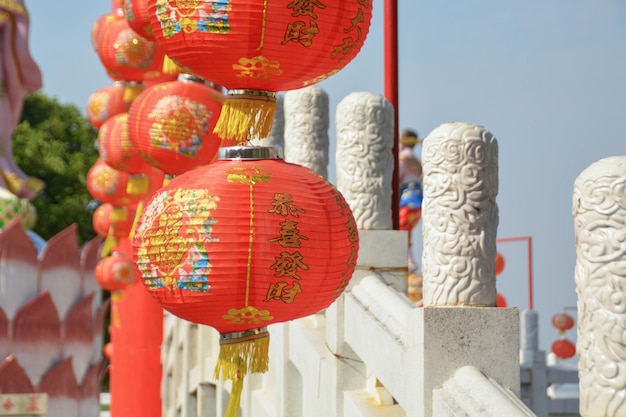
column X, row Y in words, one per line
column 170, row 66
column 138, row 184
column 132, row 91
column 240, row 353
column 246, row 114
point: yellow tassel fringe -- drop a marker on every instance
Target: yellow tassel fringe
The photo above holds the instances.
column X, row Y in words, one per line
column 138, row 184
column 119, row 214
column 246, row 116
column 170, row 66
column 108, row 245
column 132, row 91
column 237, row 359
column 136, row 220
column 235, row 398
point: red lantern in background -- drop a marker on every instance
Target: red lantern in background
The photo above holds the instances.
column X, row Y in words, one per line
column 562, row 322
column 171, row 124
column 500, row 263
column 116, row 149
column 125, row 55
column 109, row 185
column 136, row 14
column 257, row 48
column 563, row 348
column 240, row 244
column 116, row 272
column 118, row 226
column 106, row 103
column 501, row 301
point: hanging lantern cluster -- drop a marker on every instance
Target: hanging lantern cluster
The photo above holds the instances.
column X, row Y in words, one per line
column 563, row 348
column 257, row 48
column 242, row 243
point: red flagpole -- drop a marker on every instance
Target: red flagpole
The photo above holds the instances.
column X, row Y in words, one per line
column 391, row 94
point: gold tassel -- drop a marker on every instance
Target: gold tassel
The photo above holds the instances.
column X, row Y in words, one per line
column 170, row 66
column 136, row 220
column 118, row 214
column 235, row 398
column 132, row 90
column 109, row 243
column 167, row 178
column 246, row 114
column 240, row 353
column 138, row 184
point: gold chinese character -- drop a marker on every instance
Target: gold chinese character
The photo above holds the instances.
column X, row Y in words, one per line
column 287, row 265
column 356, row 20
column 280, row 291
column 343, row 50
column 289, row 235
column 282, row 205
column 364, row 3
column 297, row 32
column 257, row 67
column 305, row 7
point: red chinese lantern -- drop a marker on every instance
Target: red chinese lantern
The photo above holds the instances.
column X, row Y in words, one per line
column 242, row 243
column 106, row 103
column 116, row 272
column 171, row 124
column 256, row 48
column 563, row 348
column 562, row 322
column 500, row 263
column 118, row 226
column 116, row 149
column 136, row 14
column 109, row 185
column 125, row 55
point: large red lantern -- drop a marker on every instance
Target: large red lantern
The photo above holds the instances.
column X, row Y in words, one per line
column 256, row 48
column 171, row 124
column 242, row 243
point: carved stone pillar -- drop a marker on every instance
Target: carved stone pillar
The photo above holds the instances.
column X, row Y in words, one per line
column 306, row 128
column 599, row 210
column 460, row 216
column 365, row 159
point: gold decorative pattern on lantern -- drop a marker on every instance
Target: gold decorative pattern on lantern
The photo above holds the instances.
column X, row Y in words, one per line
column 257, row 67
column 174, row 233
column 247, row 315
column 320, row 78
column 188, row 16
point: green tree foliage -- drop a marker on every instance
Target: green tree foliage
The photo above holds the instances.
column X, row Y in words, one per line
column 55, row 143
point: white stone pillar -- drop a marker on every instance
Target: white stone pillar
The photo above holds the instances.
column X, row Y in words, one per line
column 599, row 211
column 364, row 158
column 306, row 128
column 460, row 216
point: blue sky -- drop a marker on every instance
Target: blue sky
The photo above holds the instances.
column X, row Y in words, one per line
column 546, row 77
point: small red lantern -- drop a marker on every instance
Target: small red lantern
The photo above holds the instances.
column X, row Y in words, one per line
column 242, row 243
column 136, row 14
column 116, row 149
column 116, row 272
column 109, row 185
column 563, row 348
column 106, row 224
column 256, row 48
column 562, row 322
column 125, row 55
column 500, row 263
column 171, row 124
column 106, row 103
